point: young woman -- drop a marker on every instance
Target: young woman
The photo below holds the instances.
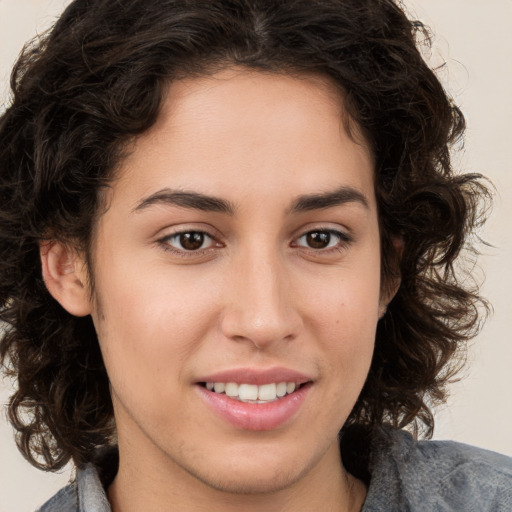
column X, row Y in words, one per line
column 228, row 236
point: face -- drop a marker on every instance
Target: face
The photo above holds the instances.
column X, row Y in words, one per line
column 237, row 275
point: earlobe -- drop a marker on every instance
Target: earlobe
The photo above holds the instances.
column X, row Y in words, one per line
column 65, row 276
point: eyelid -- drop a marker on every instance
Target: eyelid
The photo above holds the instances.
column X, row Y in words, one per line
column 186, row 227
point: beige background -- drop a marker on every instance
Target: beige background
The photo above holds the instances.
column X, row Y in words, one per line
column 475, row 38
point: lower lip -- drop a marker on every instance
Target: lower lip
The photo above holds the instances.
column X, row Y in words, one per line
column 249, row 416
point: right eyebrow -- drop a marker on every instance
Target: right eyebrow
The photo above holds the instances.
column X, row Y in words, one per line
column 186, row 199
column 342, row 195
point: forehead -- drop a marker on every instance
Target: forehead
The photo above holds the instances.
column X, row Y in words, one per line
column 241, row 132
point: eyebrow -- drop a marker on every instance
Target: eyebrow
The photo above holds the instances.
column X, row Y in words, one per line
column 186, row 199
column 198, row 201
column 337, row 197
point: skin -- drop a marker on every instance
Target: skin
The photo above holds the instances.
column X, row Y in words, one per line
column 256, row 294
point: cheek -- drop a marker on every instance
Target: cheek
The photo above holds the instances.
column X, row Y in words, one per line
column 346, row 302
column 148, row 329
column 343, row 315
column 349, row 338
column 349, row 341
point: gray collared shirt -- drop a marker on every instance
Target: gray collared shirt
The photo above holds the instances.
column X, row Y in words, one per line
column 406, row 475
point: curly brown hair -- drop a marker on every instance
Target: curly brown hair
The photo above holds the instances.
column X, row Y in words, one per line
column 97, row 80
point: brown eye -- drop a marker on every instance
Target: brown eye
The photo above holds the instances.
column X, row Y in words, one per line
column 189, row 241
column 322, row 239
column 318, row 239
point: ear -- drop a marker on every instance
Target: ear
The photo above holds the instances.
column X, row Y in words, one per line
column 65, row 276
column 390, row 289
column 392, row 282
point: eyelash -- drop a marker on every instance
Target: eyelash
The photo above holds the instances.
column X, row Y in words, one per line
column 343, row 241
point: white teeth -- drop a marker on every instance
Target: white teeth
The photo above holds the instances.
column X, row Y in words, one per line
column 219, row 387
column 231, row 389
column 281, row 389
column 251, row 392
column 267, row 392
column 290, row 387
column 247, row 392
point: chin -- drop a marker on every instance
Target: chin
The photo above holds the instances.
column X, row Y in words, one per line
column 254, row 470
column 251, row 482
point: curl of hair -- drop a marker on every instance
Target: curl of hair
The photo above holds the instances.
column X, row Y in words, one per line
column 98, row 79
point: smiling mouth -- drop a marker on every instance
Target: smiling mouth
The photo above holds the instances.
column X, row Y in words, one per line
column 252, row 393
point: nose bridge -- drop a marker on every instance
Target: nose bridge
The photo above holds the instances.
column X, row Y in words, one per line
column 261, row 307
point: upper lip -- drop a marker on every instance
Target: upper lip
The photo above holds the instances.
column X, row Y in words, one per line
column 257, row 376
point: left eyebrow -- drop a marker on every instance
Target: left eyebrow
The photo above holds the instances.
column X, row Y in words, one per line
column 184, row 199
column 337, row 197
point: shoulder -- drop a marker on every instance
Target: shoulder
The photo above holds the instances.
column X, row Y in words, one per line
column 87, row 491
column 66, row 500
column 437, row 475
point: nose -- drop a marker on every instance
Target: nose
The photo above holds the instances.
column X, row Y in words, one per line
column 260, row 306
